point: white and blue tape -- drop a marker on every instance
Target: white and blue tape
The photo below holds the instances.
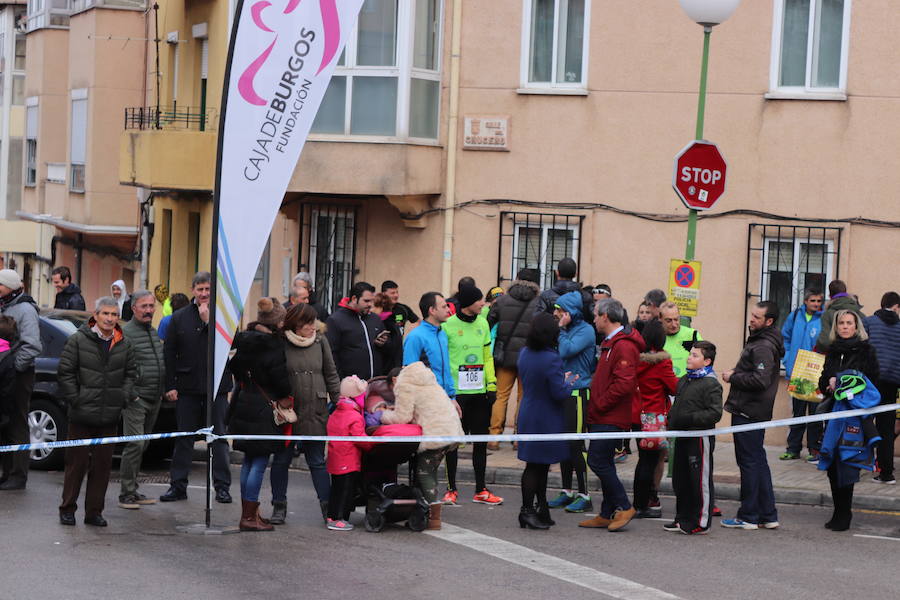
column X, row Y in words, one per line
column 518, row 437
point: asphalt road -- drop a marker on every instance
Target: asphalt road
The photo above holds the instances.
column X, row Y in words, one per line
column 481, row 553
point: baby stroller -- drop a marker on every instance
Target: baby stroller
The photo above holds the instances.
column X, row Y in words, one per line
column 386, row 500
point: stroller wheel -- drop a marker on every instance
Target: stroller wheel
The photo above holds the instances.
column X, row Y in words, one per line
column 418, row 520
column 375, row 521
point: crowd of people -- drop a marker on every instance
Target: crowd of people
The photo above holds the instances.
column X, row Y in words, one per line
column 576, row 360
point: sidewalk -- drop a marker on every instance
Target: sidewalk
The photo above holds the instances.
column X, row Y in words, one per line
column 795, row 481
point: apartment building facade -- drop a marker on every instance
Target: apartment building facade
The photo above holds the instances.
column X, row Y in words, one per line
column 570, row 113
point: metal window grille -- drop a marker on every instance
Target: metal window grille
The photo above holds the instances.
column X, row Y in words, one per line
column 171, row 117
column 537, row 241
column 785, row 260
column 329, row 236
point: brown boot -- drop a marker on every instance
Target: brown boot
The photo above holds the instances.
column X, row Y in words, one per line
column 597, row 522
column 250, row 517
column 434, row 516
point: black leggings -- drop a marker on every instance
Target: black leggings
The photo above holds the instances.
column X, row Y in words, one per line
column 644, row 477
column 575, row 412
column 534, row 486
column 342, row 499
column 476, row 420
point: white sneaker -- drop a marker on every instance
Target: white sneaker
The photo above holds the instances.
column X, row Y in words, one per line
column 770, row 525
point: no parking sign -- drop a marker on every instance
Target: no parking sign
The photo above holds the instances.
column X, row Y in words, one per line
column 684, row 285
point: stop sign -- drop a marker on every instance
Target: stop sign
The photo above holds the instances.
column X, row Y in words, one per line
column 699, row 177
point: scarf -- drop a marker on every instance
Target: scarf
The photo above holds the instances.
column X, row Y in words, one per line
column 299, row 340
column 701, row 372
column 8, row 299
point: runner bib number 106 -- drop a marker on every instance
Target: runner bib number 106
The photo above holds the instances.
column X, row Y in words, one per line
column 471, row 377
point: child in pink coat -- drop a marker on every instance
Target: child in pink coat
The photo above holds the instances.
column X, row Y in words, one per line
column 344, row 462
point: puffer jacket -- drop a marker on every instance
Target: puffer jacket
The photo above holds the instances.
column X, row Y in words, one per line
column 420, row 400
column 549, row 297
column 577, row 342
column 149, row 359
column 884, row 334
column 845, row 354
column 522, row 295
column 21, row 307
column 346, row 457
column 698, row 403
column 96, row 383
column 314, row 380
column 70, row 298
column 656, row 382
column 839, row 302
column 754, row 382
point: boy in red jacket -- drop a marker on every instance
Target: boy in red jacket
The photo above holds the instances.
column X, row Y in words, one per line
column 344, row 462
column 613, row 389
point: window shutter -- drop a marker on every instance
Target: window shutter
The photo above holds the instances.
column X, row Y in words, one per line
column 79, row 131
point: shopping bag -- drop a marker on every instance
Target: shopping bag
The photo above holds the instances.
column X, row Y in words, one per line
column 653, row 422
column 804, row 383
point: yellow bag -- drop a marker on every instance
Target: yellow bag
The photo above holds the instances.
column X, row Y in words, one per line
column 804, row 382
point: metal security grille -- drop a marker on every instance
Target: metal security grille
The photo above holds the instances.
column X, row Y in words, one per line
column 785, row 260
column 329, row 237
column 537, row 241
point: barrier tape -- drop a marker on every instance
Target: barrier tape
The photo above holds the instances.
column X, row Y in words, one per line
column 517, row 437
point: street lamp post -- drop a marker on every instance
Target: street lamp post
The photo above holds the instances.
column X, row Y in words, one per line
column 707, row 13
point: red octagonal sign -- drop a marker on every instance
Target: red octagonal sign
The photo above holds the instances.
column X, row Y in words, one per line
column 699, row 178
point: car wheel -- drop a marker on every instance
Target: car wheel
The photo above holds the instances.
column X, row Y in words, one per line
column 46, row 423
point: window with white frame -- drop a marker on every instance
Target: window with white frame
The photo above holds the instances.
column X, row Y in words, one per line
column 540, row 241
column 555, row 43
column 31, row 131
column 387, row 82
column 48, row 13
column 78, row 140
column 809, row 46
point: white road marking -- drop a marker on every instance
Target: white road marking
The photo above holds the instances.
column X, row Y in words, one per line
column 877, row 537
column 604, row 583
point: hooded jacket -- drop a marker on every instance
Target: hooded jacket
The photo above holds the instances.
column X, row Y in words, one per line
column 420, row 400
column 577, row 341
column 656, row 382
column 352, row 340
column 614, row 385
column 96, row 382
column 346, row 457
column 698, row 403
column 70, row 298
column 520, row 299
column 754, row 382
column 149, row 359
column 839, row 302
column 884, row 334
column 799, row 334
column 549, row 297
column 21, row 307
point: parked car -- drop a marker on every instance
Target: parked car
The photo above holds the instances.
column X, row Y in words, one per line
column 47, row 415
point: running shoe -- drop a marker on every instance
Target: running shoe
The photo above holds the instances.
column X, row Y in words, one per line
column 813, row 458
column 338, row 525
column 451, row 498
column 716, row 511
column 885, row 481
column 562, row 500
column 694, row 531
column 486, row 497
column 789, row 456
column 582, row 503
column 673, row 527
column 770, row 525
column 739, row 524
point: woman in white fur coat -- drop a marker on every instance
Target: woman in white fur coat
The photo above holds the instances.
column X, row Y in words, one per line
column 420, row 400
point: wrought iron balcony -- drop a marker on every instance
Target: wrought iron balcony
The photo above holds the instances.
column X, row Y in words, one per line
column 172, row 117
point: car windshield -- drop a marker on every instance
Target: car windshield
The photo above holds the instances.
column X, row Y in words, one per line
column 67, row 326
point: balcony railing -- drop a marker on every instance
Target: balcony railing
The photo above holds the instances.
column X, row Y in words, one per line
column 181, row 117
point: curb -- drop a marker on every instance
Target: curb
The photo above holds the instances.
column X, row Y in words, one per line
column 726, row 491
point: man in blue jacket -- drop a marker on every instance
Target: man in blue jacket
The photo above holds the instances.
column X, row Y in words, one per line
column 884, row 334
column 578, row 350
column 800, row 332
column 428, row 342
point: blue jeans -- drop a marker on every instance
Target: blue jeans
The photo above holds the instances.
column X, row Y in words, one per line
column 314, row 453
column 600, row 459
column 252, row 471
column 757, row 495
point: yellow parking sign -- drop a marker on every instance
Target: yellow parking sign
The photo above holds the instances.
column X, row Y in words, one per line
column 684, row 285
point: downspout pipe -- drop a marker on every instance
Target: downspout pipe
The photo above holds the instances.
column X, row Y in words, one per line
column 452, row 143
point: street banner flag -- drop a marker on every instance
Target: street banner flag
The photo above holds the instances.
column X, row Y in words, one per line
column 280, row 61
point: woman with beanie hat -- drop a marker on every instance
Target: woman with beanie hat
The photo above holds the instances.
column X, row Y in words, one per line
column 260, row 372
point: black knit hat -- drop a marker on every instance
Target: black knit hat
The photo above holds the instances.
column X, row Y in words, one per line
column 468, row 295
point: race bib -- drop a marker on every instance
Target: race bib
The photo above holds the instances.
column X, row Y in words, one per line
column 471, row 377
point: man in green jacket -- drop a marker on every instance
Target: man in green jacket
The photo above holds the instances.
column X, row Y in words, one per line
column 679, row 338
column 96, row 379
column 139, row 416
column 472, row 367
